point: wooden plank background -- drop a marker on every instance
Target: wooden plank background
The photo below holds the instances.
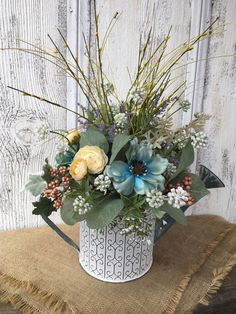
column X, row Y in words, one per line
column 21, row 154
column 219, row 100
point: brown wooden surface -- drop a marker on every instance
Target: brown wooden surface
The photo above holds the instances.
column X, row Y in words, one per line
column 8, row 309
column 224, row 302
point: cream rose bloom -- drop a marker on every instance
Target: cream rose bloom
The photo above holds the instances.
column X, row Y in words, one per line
column 78, row 169
column 95, row 158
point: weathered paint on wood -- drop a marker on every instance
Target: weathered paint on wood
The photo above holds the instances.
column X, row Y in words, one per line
column 21, row 153
column 219, row 98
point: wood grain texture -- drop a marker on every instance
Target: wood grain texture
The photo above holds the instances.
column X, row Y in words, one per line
column 8, row 309
column 224, row 301
column 219, row 97
column 21, row 153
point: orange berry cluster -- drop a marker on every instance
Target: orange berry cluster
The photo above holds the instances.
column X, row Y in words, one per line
column 60, row 178
column 57, row 203
column 58, row 172
column 186, row 184
column 187, row 181
column 65, row 180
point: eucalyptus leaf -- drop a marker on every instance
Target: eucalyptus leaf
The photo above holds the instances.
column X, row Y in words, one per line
column 186, row 159
column 68, row 215
column 119, row 142
column 36, row 184
column 104, row 213
column 159, row 213
column 176, row 213
column 93, row 137
column 198, row 189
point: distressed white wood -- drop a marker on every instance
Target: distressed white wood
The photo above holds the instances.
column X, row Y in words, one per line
column 72, row 40
column 20, row 152
column 196, row 65
column 219, row 100
column 78, row 23
column 200, row 20
column 84, row 13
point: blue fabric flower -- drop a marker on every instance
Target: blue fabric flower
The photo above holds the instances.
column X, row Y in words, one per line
column 141, row 174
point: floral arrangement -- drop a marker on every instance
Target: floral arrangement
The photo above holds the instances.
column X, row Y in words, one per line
column 126, row 159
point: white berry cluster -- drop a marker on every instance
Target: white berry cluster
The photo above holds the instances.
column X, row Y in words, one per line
column 185, row 105
column 102, row 183
column 114, row 108
column 81, row 206
column 181, row 139
column 42, row 131
column 138, row 95
column 133, row 226
column 177, row 197
column 109, row 88
column 155, row 199
column 171, row 169
column 199, row 140
column 120, row 120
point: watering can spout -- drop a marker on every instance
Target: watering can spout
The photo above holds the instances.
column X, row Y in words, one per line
column 66, row 238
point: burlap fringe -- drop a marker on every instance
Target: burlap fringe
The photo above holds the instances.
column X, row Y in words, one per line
column 173, row 303
column 17, row 302
column 218, row 279
column 49, row 300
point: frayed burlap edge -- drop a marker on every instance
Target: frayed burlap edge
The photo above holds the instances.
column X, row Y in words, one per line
column 175, row 299
column 50, row 300
column 218, row 279
column 17, row 302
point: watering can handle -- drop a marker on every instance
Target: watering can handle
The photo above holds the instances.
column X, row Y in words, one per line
column 67, row 239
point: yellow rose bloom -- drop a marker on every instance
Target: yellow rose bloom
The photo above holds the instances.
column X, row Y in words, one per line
column 78, row 169
column 95, row 158
column 73, row 136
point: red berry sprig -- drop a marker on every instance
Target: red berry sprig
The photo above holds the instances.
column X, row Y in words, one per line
column 53, row 193
column 62, row 170
column 65, row 180
column 190, row 200
column 57, row 186
column 54, row 183
column 187, row 181
column 57, row 203
column 53, row 172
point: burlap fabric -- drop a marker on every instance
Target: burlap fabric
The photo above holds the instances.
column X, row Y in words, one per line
column 39, row 273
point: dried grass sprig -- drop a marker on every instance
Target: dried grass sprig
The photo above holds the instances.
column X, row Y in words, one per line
column 154, row 75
